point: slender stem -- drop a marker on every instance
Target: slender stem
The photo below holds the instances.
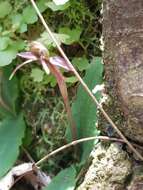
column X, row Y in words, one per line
column 84, row 84
column 73, row 143
column 105, row 138
column 18, row 67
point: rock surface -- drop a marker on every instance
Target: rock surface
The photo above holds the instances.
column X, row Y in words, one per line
column 109, row 169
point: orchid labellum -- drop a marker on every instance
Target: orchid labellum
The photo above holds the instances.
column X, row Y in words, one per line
column 50, row 64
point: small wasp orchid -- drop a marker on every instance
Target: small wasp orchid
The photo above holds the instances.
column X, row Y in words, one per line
column 39, row 53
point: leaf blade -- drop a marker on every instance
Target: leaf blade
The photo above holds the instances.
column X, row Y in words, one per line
column 8, row 92
column 5, row 9
column 65, row 180
column 83, row 109
column 11, row 134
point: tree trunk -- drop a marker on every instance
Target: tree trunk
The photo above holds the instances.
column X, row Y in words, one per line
column 112, row 168
column 123, row 58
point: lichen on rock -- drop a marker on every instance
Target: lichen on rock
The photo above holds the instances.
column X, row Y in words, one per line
column 109, row 169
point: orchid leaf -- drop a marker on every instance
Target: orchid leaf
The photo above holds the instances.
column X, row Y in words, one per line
column 65, row 180
column 84, row 110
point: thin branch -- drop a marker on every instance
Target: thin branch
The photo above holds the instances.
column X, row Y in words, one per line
column 105, row 138
column 84, row 84
column 73, row 143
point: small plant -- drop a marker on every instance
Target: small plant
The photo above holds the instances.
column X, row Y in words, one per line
column 50, row 64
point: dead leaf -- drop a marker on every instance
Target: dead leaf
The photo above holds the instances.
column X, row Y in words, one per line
column 31, row 174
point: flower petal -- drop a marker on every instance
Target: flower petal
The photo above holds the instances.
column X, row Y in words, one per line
column 27, row 55
column 59, row 61
column 45, row 67
column 18, row 67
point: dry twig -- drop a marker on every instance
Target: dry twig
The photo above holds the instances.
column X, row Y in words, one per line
column 73, row 143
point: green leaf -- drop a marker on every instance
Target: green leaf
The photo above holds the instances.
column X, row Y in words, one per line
column 48, row 42
column 55, row 7
column 18, row 45
column 81, row 63
column 37, row 74
column 49, row 79
column 8, row 92
column 18, row 23
column 1, row 28
column 72, row 79
column 7, row 55
column 53, row 81
column 5, row 8
column 65, row 180
column 29, row 15
column 11, row 134
column 74, row 34
column 84, row 110
column 42, row 5
column 4, row 41
column 17, row 20
column 23, row 28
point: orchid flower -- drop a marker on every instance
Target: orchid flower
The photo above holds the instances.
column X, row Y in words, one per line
column 50, row 64
column 39, row 53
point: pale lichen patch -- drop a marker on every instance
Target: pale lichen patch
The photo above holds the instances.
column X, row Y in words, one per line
column 109, row 169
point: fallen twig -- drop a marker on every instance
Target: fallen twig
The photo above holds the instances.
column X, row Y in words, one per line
column 8, row 180
column 73, row 143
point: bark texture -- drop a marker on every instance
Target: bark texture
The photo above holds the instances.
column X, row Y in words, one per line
column 123, row 58
column 111, row 168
